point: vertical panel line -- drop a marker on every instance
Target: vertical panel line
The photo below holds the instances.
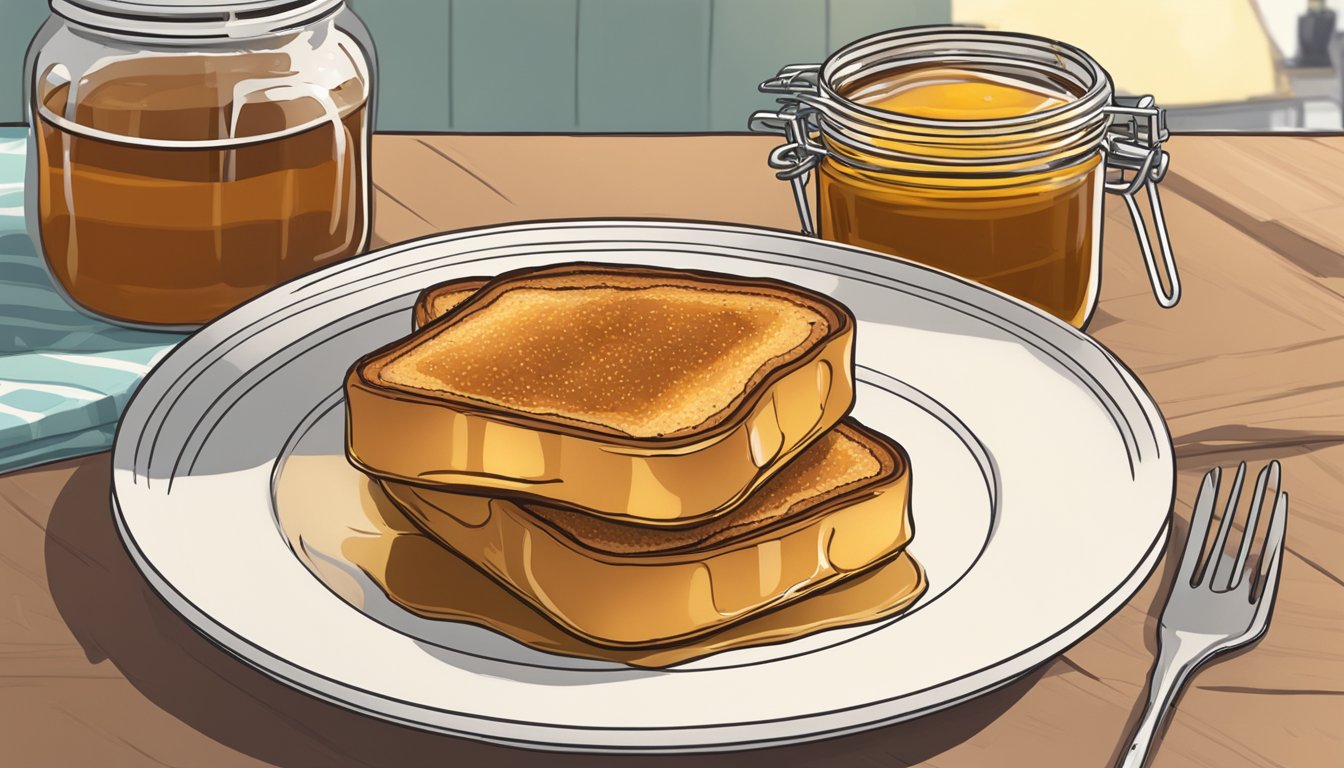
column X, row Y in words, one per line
column 709, row 71
column 578, row 24
column 452, row 71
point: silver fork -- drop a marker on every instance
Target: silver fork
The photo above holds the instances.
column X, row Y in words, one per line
column 1216, row 608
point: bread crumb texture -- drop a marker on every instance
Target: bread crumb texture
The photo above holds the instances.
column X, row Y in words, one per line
column 646, row 361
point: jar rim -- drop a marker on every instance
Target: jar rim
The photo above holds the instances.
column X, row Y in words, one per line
column 858, row 56
column 193, row 21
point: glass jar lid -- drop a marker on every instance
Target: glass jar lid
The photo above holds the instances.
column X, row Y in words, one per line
column 192, row 19
column 821, row 121
column 1012, row 56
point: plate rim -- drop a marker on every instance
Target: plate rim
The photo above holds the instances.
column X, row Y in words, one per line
column 219, row 633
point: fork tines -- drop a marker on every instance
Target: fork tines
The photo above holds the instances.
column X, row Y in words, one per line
column 1218, row 569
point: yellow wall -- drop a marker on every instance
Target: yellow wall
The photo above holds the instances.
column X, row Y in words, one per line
column 1184, row 52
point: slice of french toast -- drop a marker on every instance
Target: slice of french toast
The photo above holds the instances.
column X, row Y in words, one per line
column 837, row 510
column 656, row 395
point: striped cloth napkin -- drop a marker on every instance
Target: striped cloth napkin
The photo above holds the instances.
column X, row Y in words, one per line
column 64, row 377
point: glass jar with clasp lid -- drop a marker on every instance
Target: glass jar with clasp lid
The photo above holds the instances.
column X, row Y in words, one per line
column 188, row 155
column 979, row 152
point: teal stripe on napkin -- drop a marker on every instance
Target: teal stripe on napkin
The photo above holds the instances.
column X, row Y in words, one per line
column 65, row 377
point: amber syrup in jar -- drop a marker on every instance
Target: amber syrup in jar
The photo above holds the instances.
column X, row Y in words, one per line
column 983, row 153
column 1030, row 234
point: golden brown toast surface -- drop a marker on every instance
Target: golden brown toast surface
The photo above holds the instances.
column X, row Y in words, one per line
column 634, row 351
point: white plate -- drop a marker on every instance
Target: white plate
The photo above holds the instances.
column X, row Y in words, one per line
column 1043, row 478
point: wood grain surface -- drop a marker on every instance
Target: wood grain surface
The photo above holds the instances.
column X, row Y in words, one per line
column 96, row 670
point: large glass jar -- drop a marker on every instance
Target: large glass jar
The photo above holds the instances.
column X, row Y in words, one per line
column 190, row 155
column 979, row 152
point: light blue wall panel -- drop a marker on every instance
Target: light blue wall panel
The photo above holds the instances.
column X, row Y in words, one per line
column 570, row 65
column 749, row 41
column 643, row 65
column 413, row 55
column 19, row 19
column 513, row 64
column 412, row 35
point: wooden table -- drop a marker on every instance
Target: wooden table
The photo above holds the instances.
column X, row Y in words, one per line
column 95, row 670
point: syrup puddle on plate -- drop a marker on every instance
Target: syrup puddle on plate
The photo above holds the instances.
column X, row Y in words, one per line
column 332, row 536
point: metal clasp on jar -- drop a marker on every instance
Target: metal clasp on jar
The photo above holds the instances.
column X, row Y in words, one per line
column 799, row 123
column 1133, row 151
column 1135, row 160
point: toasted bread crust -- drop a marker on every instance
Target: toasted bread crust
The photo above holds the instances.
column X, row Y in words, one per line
column 651, row 599
column 437, row 301
column 436, row 439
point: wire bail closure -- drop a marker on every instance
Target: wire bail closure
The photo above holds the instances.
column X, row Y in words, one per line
column 1134, row 160
column 793, row 161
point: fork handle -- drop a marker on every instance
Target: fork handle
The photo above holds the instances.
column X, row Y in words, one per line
column 1177, row 657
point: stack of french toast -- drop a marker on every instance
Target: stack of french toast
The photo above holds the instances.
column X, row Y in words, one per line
column 643, row 455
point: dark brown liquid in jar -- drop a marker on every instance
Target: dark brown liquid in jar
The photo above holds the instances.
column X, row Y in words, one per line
column 139, row 229
column 1033, row 236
